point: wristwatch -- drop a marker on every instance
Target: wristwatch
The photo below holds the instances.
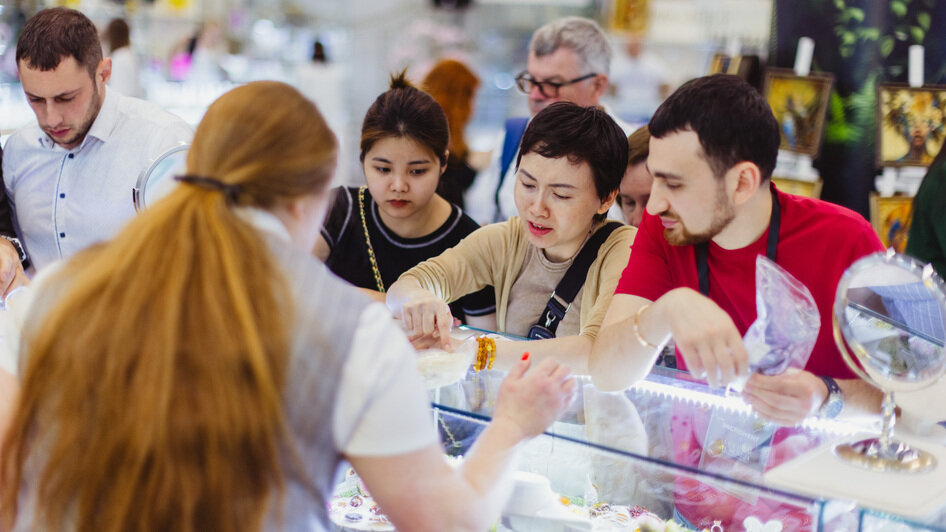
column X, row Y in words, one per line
column 15, row 242
column 834, row 402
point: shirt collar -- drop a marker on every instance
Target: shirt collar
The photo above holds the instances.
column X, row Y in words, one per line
column 263, row 220
column 107, row 118
column 102, row 127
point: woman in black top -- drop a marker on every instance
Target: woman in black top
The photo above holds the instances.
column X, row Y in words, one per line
column 373, row 234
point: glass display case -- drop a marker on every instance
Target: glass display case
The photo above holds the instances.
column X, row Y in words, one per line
column 668, row 448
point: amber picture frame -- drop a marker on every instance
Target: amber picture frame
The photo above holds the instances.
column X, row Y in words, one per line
column 910, row 124
column 799, row 104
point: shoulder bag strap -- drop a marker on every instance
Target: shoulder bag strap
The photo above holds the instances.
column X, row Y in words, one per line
column 364, row 225
column 574, row 279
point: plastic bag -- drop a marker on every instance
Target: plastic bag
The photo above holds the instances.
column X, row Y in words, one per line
column 787, row 324
column 440, row 368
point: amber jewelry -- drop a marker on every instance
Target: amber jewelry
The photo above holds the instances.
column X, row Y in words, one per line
column 364, row 225
column 485, row 353
column 637, row 329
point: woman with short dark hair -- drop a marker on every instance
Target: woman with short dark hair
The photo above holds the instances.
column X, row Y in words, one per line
column 570, row 165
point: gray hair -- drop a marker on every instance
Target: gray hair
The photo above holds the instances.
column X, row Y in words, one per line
column 581, row 35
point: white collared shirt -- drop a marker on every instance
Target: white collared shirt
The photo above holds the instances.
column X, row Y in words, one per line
column 64, row 200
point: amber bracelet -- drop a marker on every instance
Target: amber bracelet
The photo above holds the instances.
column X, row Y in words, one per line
column 637, row 331
column 485, row 353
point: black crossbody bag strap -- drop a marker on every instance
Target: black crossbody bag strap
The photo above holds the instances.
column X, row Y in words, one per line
column 570, row 284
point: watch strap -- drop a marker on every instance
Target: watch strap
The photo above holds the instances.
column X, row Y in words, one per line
column 834, row 401
column 16, row 245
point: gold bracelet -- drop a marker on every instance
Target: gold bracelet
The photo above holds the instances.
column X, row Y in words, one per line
column 637, row 330
column 485, row 353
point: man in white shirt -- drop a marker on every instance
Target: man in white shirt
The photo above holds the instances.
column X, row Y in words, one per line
column 69, row 177
column 569, row 60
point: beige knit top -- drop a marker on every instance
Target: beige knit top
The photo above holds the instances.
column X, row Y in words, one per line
column 494, row 254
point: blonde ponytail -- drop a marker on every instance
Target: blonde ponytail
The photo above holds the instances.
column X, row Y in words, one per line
column 152, row 393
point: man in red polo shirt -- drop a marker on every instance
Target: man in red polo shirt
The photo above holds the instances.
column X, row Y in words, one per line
column 712, row 151
column 691, row 274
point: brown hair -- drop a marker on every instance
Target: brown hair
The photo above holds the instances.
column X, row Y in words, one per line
column 453, row 86
column 155, row 384
column 638, row 144
column 406, row 111
column 56, row 33
column 117, row 34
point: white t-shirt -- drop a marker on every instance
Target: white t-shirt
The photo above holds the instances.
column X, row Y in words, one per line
column 381, row 408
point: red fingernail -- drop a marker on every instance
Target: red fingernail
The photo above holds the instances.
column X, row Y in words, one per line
column 525, row 356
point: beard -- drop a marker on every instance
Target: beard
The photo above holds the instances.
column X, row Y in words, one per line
column 723, row 213
column 95, row 105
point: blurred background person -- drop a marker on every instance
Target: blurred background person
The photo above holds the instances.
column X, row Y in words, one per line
column 635, row 185
column 323, row 81
column 569, row 60
column 639, row 81
column 453, row 85
column 197, row 58
column 125, row 76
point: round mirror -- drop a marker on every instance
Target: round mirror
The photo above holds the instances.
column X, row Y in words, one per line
column 890, row 325
column 157, row 180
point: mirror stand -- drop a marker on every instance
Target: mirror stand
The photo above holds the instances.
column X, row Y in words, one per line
column 884, row 453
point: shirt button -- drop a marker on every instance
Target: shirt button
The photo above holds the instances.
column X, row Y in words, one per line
column 62, row 195
column 62, row 235
column 72, row 156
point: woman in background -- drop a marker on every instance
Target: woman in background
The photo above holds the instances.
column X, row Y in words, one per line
column 374, row 233
column 454, row 85
column 635, row 185
column 202, row 371
column 125, row 76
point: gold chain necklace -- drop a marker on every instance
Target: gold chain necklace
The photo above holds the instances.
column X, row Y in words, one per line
column 364, row 225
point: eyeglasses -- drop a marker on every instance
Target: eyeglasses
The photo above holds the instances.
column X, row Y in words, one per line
column 549, row 89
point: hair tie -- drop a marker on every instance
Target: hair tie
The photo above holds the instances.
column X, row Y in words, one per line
column 230, row 192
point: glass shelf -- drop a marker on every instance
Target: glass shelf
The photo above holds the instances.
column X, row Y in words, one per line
column 675, row 446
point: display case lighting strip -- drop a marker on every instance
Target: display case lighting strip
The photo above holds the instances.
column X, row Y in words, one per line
column 735, row 405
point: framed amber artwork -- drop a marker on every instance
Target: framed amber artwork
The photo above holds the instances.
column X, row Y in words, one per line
column 910, row 127
column 891, row 217
column 799, row 104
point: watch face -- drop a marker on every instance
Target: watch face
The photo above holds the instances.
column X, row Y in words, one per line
column 833, row 407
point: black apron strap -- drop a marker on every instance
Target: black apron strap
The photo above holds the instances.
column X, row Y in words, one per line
column 702, row 250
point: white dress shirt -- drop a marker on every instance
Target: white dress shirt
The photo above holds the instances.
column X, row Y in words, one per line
column 64, row 200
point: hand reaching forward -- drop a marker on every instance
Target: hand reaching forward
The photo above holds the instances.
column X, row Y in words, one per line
column 427, row 320
column 706, row 337
column 786, row 399
column 533, row 399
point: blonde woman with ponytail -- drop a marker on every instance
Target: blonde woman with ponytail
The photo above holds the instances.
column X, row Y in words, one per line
column 203, row 371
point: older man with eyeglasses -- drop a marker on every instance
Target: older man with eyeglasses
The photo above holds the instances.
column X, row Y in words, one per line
column 569, row 60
